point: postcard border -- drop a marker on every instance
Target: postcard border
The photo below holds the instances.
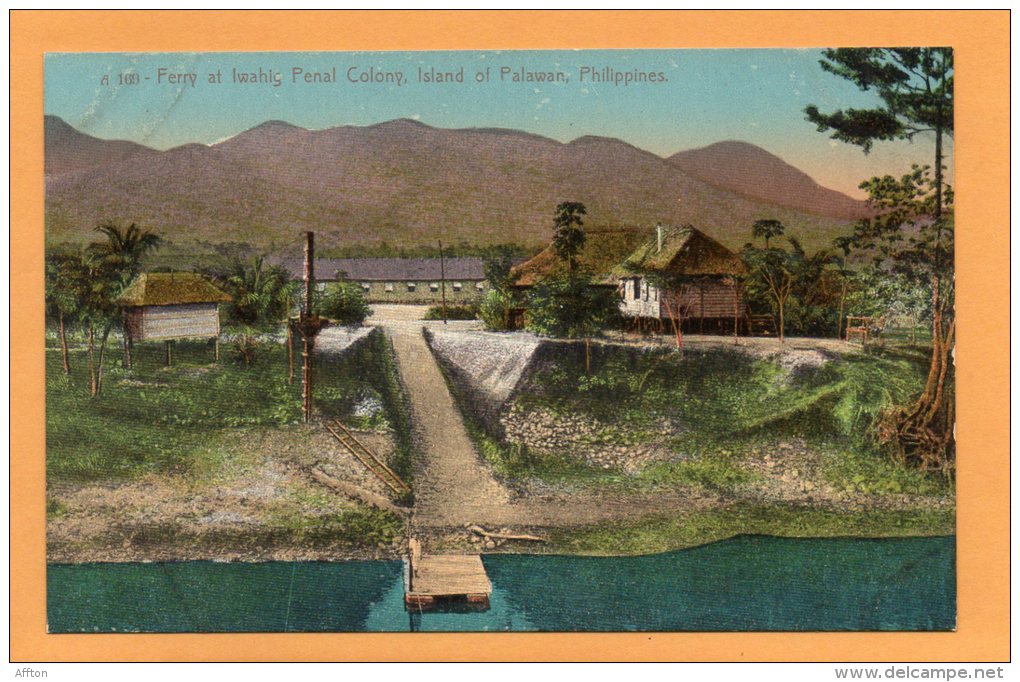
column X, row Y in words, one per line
column 981, row 40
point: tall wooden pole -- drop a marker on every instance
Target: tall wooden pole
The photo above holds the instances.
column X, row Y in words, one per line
column 308, row 338
column 442, row 277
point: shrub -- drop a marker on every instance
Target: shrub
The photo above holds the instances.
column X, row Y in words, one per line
column 343, row 302
column 453, row 312
column 495, row 310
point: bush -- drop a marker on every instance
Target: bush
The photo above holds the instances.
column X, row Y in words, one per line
column 569, row 305
column 495, row 310
column 344, row 303
column 453, row 312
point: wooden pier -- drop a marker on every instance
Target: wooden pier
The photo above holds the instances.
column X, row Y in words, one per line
column 443, row 579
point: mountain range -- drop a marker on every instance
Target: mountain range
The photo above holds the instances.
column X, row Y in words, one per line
column 406, row 183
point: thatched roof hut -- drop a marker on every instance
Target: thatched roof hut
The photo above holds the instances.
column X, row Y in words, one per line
column 681, row 251
column 171, row 305
column 604, row 249
column 171, row 288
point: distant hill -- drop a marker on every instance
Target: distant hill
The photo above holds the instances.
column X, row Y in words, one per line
column 69, row 150
column 753, row 172
column 401, row 182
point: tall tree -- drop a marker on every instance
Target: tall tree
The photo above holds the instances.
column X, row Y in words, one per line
column 771, row 275
column 123, row 251
column 914, row 87
column 568, row 238
column 61, row 298
column 96, row 283
column 767, row 229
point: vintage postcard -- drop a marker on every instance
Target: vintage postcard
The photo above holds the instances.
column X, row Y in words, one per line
column 501, row 340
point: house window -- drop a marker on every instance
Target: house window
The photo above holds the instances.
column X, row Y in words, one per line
column 411, row 286
column 457, row 286
column 637, row 288
column 389, row 287
column 366, row 287
column 320, row 286
column 480, row 286
column 434, row 286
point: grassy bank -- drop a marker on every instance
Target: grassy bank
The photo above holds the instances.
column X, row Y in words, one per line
column 198, row 457
column 711, row 416
column 662, row 534
column 158, row 419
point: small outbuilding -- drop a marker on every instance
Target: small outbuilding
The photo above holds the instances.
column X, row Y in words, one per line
column 167, row 306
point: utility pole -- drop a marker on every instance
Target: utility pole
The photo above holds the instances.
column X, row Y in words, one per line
column 308, row 325
column 442, row 277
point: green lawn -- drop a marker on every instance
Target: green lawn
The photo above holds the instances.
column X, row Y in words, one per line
column 154, row 418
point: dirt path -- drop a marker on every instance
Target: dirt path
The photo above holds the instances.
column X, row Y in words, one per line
column 454, row 487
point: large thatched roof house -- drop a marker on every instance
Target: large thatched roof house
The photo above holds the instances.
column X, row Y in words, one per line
column 681, row 273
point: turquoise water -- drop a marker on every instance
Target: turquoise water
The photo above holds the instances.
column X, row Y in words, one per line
column 745, row 583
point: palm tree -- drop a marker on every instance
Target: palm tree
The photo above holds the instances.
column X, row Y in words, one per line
column 123, row 251
column 767, row 229
column 262, row 299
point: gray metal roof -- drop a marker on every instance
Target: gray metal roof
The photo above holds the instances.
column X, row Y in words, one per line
column 389, row 269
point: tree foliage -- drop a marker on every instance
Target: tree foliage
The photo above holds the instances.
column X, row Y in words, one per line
column 123, row 249
column 568, row 305
column 261, row 299
column 793, row 285
column 343, row 302
column 83, row 288
column 909, row 232
column 499, row 302
column 569, row 238
column 914, row 84
column 767, row 229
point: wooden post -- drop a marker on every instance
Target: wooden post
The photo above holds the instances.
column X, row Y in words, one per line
column 127, row 341
column 306, row 377
column 216, row 348
column 309, row 271
column 736, row 312
column 308, row 340
column 442, row 277
column 169, row 346
column 290, row 353
column 701, row 303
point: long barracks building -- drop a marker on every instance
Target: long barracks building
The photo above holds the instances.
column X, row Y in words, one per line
column 401, row 280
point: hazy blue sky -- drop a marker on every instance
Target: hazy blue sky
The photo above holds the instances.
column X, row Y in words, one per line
column 708, row 95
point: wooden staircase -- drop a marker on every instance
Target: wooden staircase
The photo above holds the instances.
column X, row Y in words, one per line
column 354, row 446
